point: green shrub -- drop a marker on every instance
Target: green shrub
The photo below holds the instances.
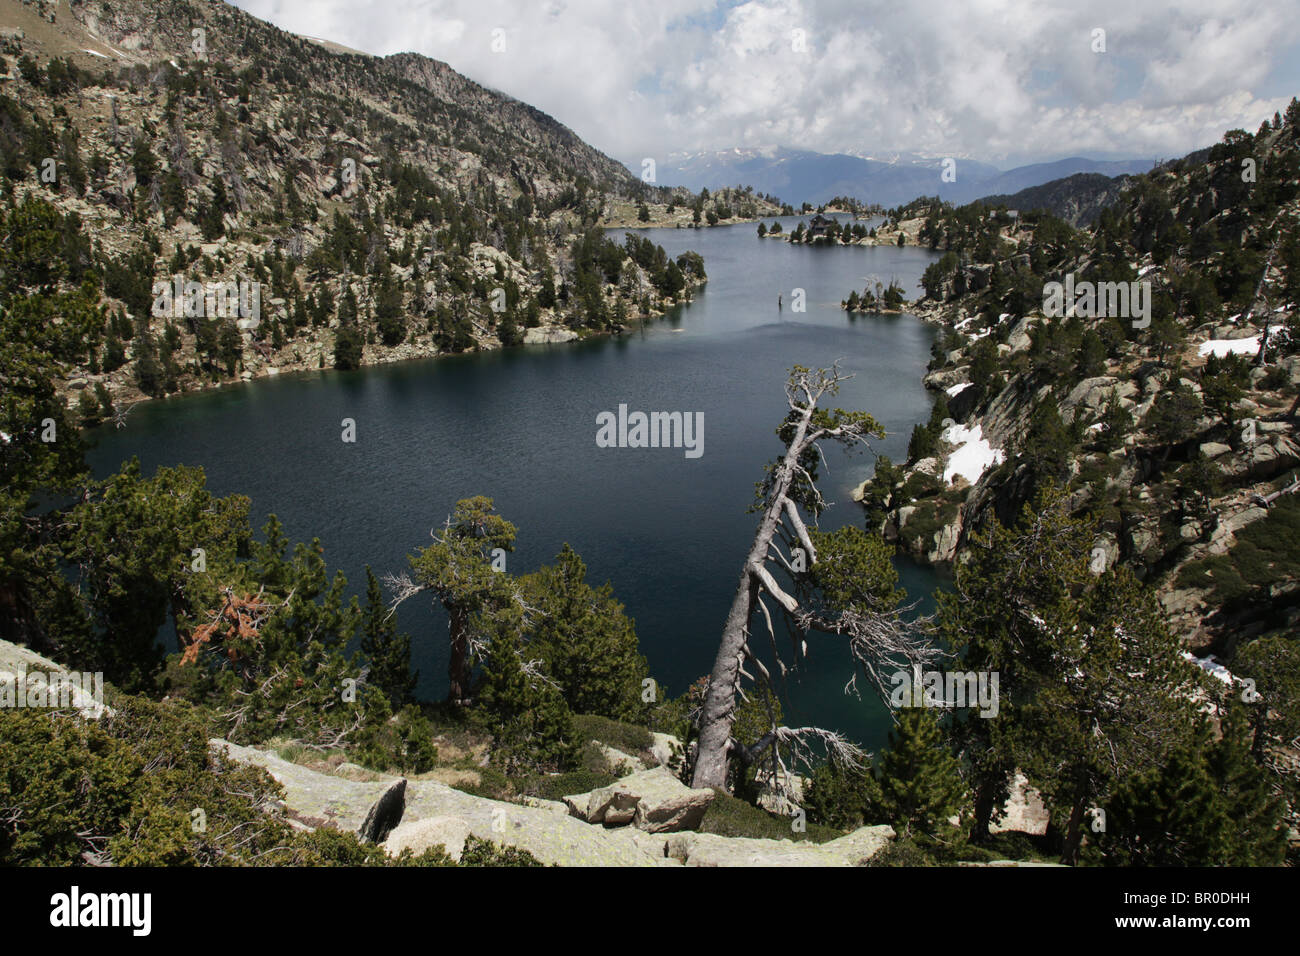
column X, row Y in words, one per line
column 733, row 817
column 629, row 738
column 839, row 797
column 403, row 744
column 485, row 853
column 560, row 785
column 902, row 852
column 1264, row 553
column 60, row 777
column 588, row 642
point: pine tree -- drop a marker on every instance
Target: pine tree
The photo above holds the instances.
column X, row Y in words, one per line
column 1257, row 834
column 349, row 346
column 1209, row 804
column 841, row 797
column 1116, row 423
column 1101, row 691
column 531, row 725
column 920, row 786
column 1165, row 816
column 460, row 570
column 586, row 639
column 388, row 651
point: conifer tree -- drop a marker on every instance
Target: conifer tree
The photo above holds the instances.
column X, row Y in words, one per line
column 1209, row 804
column 388, row 651
column 1093, row 686
column 920, row 783
column 522, row 706
column 587, row 640
column 462, row 570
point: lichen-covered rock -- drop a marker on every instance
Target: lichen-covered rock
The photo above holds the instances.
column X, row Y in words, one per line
column 542, row 336
column 419, row 835
column 320, row 799
column 618, row 761
column 709, row 849
column 664, row 748
column 652, row 800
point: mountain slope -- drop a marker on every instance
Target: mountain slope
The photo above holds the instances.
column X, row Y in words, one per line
column 385, row 208
column 1038, row 174
column 1077, row 199
column 1173, row 423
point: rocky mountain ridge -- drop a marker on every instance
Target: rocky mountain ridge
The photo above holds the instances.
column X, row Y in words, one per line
column 386, row 208
column 1176, row 429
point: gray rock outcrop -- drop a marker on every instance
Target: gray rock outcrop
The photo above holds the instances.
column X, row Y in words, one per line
column 710, row 849
column 652, row 800
column 320, row 799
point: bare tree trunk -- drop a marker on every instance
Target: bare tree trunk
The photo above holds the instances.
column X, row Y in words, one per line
column 720, row 699
column 984, row 806
column 872, row 635
column 457, row 666
column 1074, row 831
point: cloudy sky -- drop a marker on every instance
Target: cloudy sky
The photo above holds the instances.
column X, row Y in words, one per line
column 1003, row 81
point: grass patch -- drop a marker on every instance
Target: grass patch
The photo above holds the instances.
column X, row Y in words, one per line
column 559, row 786
column 495, row 785
column 732, row 817
column 628, row 738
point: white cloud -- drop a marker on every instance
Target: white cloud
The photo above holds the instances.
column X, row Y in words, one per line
column 991, row 79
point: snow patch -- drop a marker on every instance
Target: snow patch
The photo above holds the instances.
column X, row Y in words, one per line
column 1210, row 666
column 973, row 455
column 102, row 56
column 1222, row 347
column 957, row 389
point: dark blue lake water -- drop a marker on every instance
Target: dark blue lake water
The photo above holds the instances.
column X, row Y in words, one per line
column 519, row 426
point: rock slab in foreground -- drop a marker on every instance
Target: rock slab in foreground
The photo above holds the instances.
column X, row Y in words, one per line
column 709, row 849
column 652, row 800
column 320, row 799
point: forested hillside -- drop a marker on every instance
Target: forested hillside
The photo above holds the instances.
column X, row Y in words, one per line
column 1077, row 199
column 1160, row 401
column 163, row 167
column 367, row 209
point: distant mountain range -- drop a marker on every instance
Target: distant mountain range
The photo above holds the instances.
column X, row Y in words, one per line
column 798, row 176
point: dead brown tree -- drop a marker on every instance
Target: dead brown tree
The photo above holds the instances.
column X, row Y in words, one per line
column 876, row 634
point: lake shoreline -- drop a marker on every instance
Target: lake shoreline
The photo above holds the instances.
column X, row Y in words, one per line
column 373, row 356
column 521, row 427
